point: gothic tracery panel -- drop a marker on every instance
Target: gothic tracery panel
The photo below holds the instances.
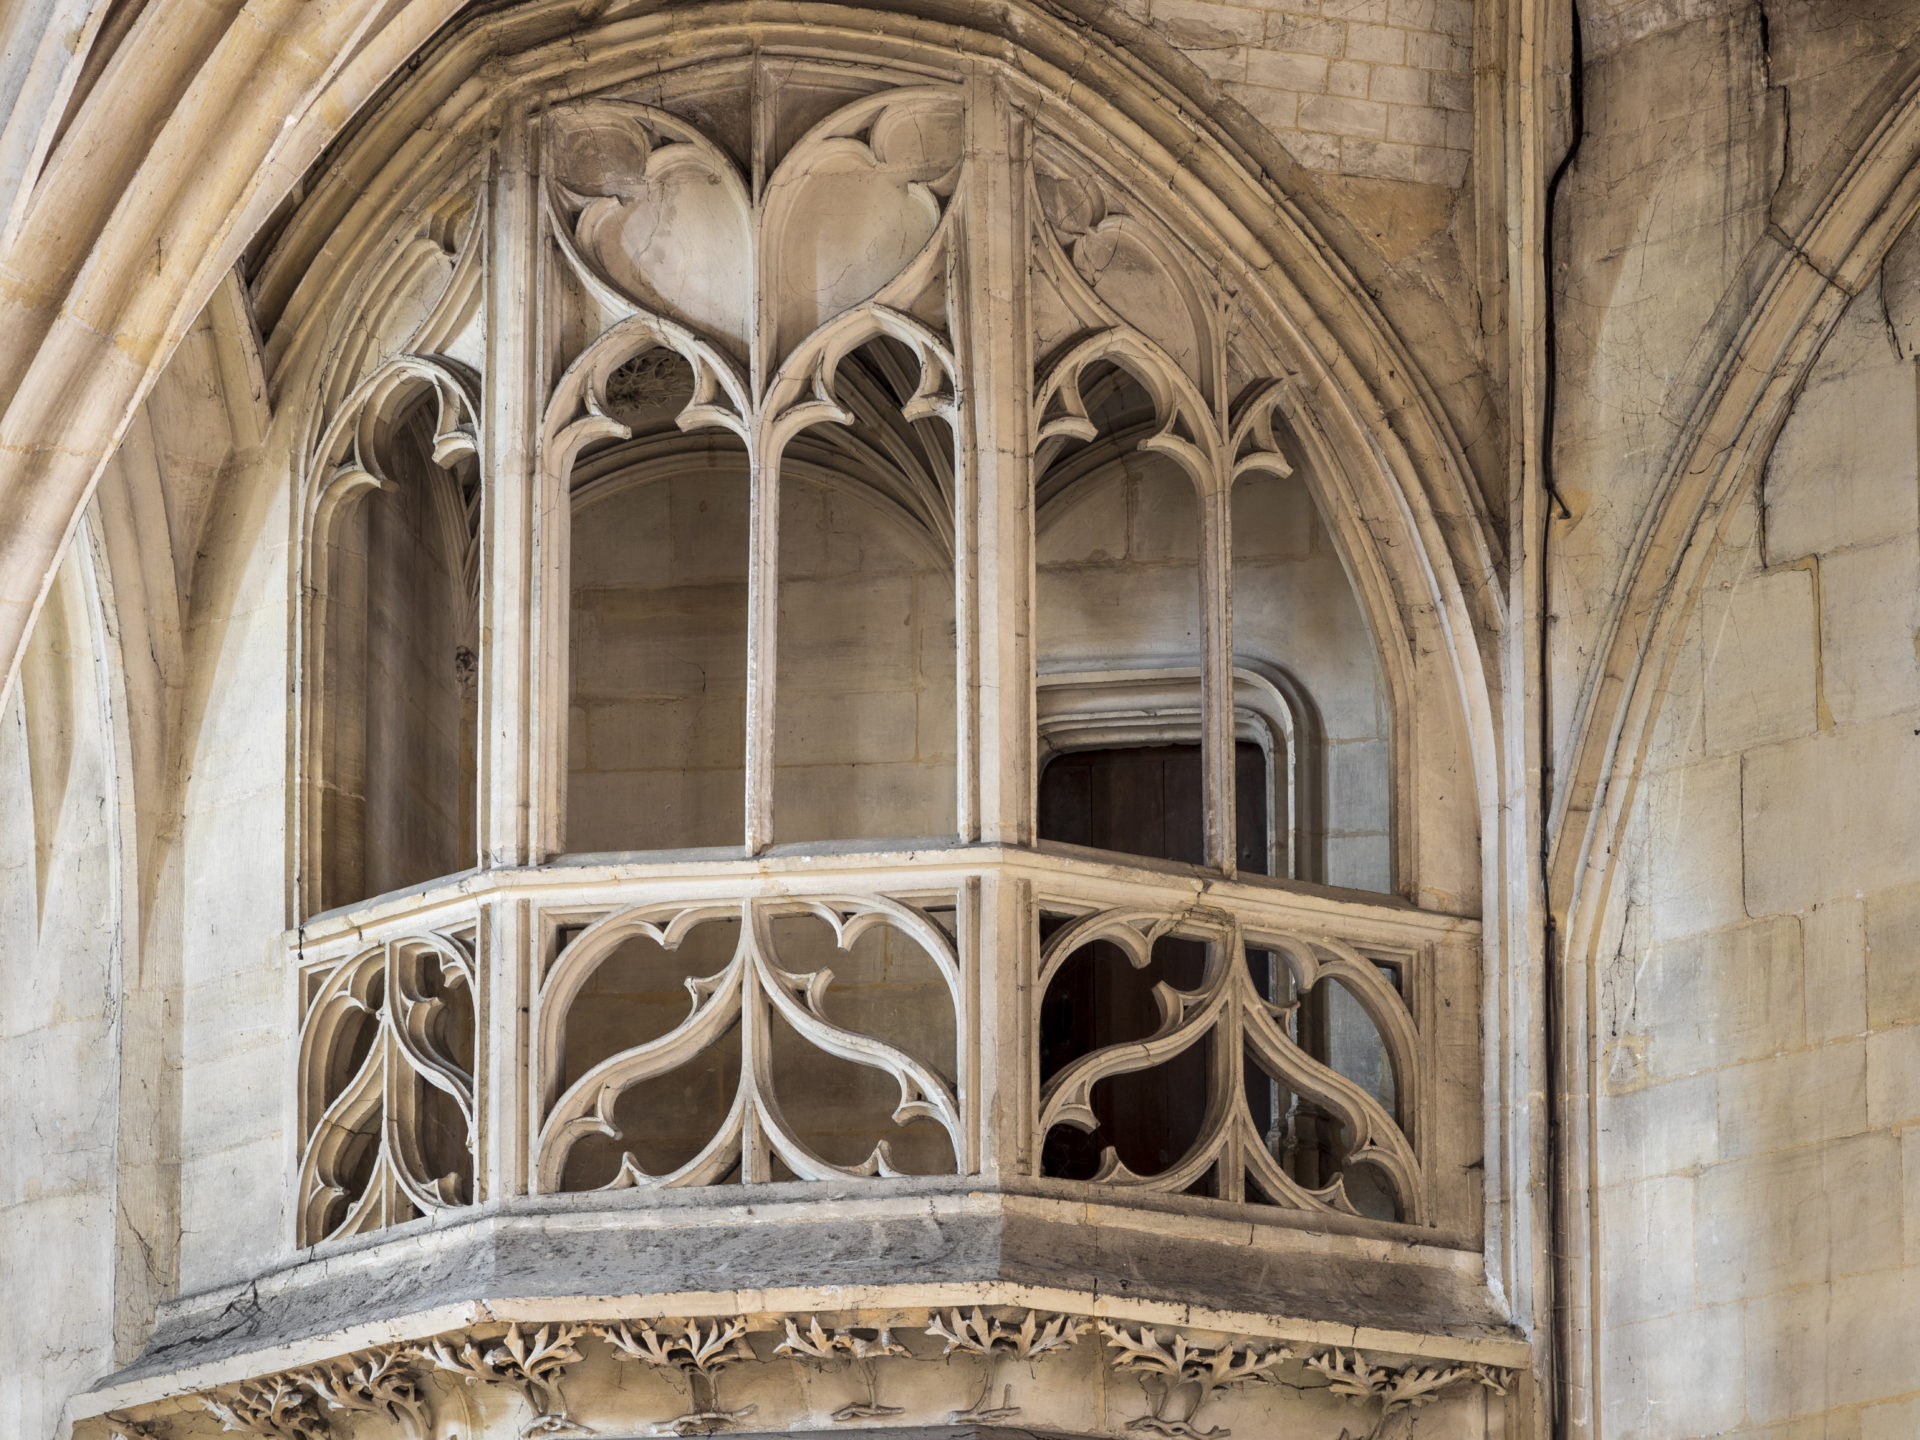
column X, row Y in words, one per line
column 762, row 1028
column 753, row 620
column 387, row 1098
column 1244, row 1101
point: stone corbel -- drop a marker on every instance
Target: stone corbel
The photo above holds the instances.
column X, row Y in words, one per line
column 1179, row 1373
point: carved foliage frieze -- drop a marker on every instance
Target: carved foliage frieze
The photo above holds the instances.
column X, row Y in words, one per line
column 399, row 1390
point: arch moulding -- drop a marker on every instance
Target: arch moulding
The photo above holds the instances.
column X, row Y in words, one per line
column 1803, row 286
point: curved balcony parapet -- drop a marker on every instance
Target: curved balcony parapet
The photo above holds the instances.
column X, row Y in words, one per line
column 627, row 1036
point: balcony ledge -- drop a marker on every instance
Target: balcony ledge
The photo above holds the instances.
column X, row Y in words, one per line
column 843, row 1249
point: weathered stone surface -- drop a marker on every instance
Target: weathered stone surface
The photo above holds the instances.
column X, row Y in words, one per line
column 1600, row 560
column 1791, row 1099
column 1659, row 1130
column 1718, row 999
column 1830, row 815
column 1760, row 645
column 1797, row 1217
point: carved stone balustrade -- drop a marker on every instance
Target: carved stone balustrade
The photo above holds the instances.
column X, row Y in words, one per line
column 628, row 1036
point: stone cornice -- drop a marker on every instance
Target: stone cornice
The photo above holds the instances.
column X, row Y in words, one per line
column 883, row 1360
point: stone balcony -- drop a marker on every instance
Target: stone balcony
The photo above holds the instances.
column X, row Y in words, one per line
column 470, row 1156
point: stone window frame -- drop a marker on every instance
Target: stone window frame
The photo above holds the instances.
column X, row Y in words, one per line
column 521, row 783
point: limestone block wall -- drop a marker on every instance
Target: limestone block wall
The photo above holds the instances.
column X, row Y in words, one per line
column 59, row 986
column 1377, row 88
column 1759, row 1121
column 233, row 899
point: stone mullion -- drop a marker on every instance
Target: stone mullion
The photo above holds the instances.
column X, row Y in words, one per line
column 1216, row 669
column 997, row 691
column 515, row 598
column 1001, row 377
column 763, row 621
column 763, row 507
column 523, row 687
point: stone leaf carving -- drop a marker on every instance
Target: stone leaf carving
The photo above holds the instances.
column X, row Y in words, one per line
column 533, row 1366
column 658, row 212
column 1179, row 1371
column 1401, row 1389
column 276, row 1407
column 288, row 1406
column 1166, row 1368
column 976, row 1333
column 856, row 1346
column 699, row 1354
column 378, row 1383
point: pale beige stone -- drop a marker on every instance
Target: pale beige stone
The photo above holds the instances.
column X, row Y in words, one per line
column 1867, row 1351
column 1830, row 815
column 1693, row 825
column 1658, row 1130
column 1797, row 1217
column 1679, row 1375
column 1760, row 643
column 1718, row 999
column 1890, row 1421
column 1893, row 1076
column 1793, row 1099
column 1834, row 945
column 1648, row 1229
column 1870, row 631
column 1841, row 475
column 154, row 833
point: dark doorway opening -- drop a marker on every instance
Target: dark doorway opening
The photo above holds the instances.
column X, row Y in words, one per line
column 1149, row 800
column 1143, row 800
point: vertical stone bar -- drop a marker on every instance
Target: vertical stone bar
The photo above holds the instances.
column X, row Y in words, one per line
column 966, row 545
column 522, row 713
column 515, row 768
column 763, row 623
column 1000, row 377
column 763, row 512
column 1216, row 702
column 997, row 626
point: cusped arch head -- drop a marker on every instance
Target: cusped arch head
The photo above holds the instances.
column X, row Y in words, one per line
column 346, row 460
